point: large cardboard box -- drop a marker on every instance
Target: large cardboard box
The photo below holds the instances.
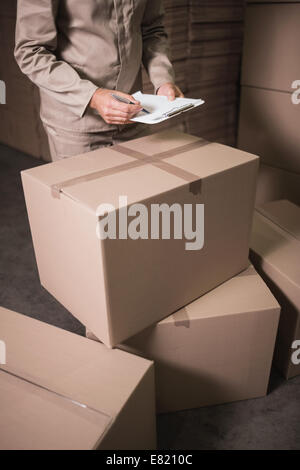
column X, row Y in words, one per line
column 119, row 286
column 274, row 183
column 207, row 11
column 213, row 70
column 216, row 31
column 217, row 349
column 61, row 391
column 211, row 118
column 275, row 251
column 270, row 55
column 269, row 127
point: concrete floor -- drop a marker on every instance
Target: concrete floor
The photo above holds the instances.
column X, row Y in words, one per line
column 272, row 422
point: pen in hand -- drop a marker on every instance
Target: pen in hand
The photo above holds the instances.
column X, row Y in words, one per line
column 126, row 101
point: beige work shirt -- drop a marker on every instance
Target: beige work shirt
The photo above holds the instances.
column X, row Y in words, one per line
column 69, row 48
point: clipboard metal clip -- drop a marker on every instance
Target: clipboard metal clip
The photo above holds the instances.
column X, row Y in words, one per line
column 178, row 110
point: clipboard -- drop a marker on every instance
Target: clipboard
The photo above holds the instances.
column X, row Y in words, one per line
column 160, row 108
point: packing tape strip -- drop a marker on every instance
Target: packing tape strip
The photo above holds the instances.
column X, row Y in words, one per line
column 161, row 155
column 60, row 395
column 57, row 188
column 181, row 318
column 141, row 159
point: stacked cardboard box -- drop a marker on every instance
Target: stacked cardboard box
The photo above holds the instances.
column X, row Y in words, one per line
column 20, row 127
column 274, row 184
column 206, row 43
column 215, row 43
column 176, row 25
column 216, row 349
column 61, row 391
column 269, row 116
column 270, row 109
column 275, row 251
column 216, row 119
column 111, row 285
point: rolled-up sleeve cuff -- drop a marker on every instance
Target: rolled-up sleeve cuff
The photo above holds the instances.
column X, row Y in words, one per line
column 161, row 76
column 86, row 93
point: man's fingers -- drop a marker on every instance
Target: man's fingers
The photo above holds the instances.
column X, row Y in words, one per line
column 171, row 95
column 128, row 97
column 117, row 113
column 125, row 108
column 119, row 121
column 171, row 91
column 114, row 111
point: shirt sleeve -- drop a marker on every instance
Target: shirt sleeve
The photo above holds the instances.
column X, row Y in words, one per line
column 155, row 45
column 36, row 43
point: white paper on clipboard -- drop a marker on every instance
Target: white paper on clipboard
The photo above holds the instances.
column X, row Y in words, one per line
column 160, row 107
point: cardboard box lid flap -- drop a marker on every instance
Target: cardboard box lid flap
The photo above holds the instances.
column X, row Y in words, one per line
column 159, row 142
column 136, row 184
column 86, row 372
column 86, row 164
column 139, row 169
column 277, row 250
column 243, row 293
column 283, row 213
column 32, row 417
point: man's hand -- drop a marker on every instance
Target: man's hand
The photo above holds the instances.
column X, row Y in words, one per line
column 170, row 90
column 112, row 111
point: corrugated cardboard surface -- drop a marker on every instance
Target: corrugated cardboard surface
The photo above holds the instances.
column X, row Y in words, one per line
column 271, row 46
column 60, row 391
column 275, row 251
column 111, row 285
column 269, row 127
column 34, row 418
column 217, row 349
column 274, row 183
column 21, row 127
column 284, row 214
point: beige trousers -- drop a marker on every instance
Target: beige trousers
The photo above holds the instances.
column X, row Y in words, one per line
column 64, row 144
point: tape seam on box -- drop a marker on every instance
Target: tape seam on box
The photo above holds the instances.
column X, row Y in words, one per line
column 141, row 159
column 181, row 318
column 60, row 395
